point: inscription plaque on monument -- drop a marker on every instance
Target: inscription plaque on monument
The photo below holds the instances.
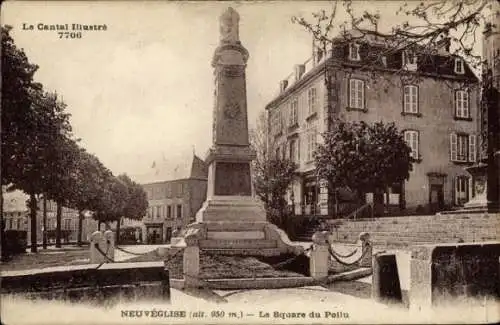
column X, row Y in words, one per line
column 233, row 179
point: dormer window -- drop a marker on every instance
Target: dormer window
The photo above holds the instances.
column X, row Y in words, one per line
column 384, row 61
column 409, row 60
column 354, row 52
column 459, row 66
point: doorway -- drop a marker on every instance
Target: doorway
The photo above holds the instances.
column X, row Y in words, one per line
column 436, row 198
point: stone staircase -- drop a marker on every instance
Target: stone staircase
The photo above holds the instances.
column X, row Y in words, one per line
column 243, row 238
column 414, row 230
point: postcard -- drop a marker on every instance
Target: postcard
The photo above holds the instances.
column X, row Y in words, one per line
column 250, row 162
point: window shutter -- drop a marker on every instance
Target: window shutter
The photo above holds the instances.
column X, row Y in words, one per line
column 457, row 103
column 453, row 147
column 352, row 93
column 417, row 145
column 455, row 190
column 472, row 148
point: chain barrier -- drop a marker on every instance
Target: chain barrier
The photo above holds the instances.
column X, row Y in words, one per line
column 344, row 256
column 130, row 252
column 336, row 258
column 105, row 254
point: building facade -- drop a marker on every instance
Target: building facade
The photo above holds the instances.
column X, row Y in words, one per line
column 435, row 104
column 173, row 203
column 17, row 217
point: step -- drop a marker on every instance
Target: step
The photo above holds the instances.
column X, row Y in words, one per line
column 235, row 226
column 245, row 251
column 237, row 243
column 235, row 235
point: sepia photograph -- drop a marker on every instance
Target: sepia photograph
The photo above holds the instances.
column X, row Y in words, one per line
column 250, row 162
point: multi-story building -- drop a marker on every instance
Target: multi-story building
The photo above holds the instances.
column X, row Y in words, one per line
column 16, row 217
column 435, row 104
column 174, row 201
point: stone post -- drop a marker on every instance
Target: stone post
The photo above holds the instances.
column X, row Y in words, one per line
column 366, row 250
column 109, row 249
column 318, row 260
column 96, row 241
column 191, row 259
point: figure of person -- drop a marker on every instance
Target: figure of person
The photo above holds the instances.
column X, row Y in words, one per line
column 229, row 26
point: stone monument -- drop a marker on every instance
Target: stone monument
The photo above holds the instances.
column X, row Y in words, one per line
column 486, row 174
column 232, row 220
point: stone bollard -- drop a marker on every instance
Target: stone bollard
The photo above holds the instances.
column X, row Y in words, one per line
column 97, row 241
column 109, row 249
column 366, row 250
column 318, row 260
column 191, row 259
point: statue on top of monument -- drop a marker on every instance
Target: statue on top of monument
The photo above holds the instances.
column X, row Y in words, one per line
column 229, row 21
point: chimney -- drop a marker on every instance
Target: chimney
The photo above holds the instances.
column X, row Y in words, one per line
column 283, row 85
column 443, row 45
column 299, row 71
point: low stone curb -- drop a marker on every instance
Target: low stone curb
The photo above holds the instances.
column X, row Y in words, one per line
column 275, row 283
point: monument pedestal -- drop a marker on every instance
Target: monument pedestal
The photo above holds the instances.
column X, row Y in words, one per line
column 232, row 220
column 480, row 201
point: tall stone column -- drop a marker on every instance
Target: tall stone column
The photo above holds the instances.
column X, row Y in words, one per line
column 229, row 158
column 232, row 218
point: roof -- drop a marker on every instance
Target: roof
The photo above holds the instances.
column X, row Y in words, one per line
column 14, row 201
column 170, row 170
column 371, row 52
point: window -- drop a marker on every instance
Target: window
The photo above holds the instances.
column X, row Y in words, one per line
column 158, row 211
column 67, row 224
column 18, row 223
column 462, row 147
column 412, row 139
column 461, row 190
column 312, row 101
column 459, row 66
column 462, row 104
column 180, row 189
column 356, row 93
column 410, row 102
column 294, row 107
column 179, row 211
column 354, row 52
column 169, row 212
column 311, row 144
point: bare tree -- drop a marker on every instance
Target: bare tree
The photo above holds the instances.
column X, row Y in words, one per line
column 426, row 26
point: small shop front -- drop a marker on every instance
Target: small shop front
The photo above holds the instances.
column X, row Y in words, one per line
column 154, row 233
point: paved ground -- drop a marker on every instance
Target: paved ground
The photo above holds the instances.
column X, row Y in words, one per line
column 278, row 306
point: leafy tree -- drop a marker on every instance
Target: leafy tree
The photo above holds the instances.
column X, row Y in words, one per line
column 356, row 155
column 273, row 175
column 136, row 203
column 30, row 124
column 273, row 178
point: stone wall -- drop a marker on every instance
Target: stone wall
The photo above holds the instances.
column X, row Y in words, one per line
column 411, row 230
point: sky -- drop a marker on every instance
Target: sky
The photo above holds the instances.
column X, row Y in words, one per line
column 142, row 91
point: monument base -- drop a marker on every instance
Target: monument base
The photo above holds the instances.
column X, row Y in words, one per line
column 237, row 225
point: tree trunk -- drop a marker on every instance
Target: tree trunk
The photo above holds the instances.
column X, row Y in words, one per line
column 99, row 225
column 33, row 222
column 58, row 224
column 117, row 240
column 44, row 230
column 80, row 228
column 387, row 200
column 2, row 228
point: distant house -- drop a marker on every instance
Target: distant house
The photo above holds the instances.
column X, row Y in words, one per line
column 16, row 217
column 174, row 198
column 15, row 210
